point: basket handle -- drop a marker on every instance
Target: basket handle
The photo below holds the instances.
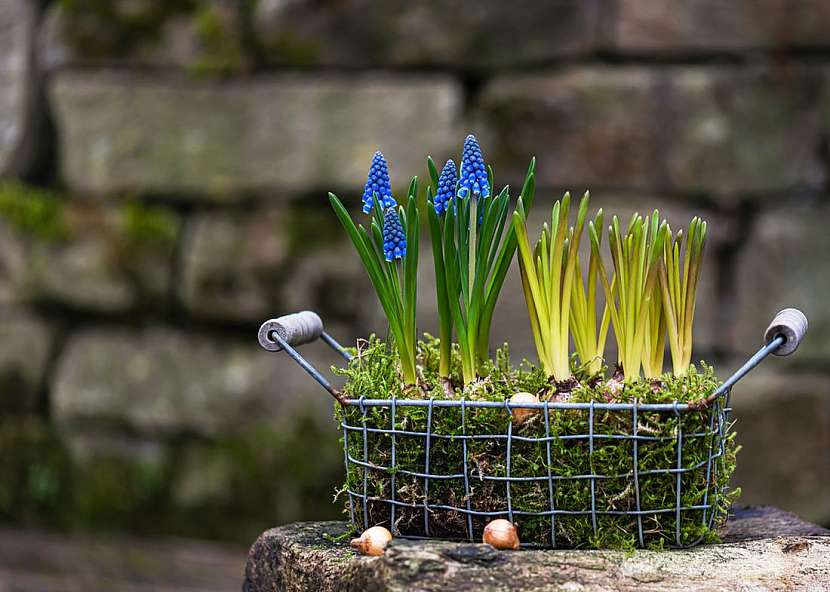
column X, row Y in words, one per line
column 791, row 324
column 295, row 329
column 292, row 330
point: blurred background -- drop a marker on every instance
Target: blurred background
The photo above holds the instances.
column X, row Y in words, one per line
column 163, row 175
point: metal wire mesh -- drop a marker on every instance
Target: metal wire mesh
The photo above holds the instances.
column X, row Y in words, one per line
column 377, row 500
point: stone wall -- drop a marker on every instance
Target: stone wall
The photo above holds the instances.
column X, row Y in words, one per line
column 165, row 165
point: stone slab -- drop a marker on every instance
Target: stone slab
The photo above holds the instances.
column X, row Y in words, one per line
column 764, row 549
column 103, row 259
column 784, row 264
column 696, row 27
column 25, row 346
column 720, row 131
column 159, row 382
column 372, row 32
column 128, row 132
column 17, row 83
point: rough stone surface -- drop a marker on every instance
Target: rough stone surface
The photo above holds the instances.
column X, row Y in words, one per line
column 709, row 26
column 719, row 130
column 13, row 262
column 590, row 128
column 783, row 425
column 201, row 36
column 233, row 265
column 122, row 132
column 17, row 80
column 752, row 131
column 266, row 262
column 435, row 33
column 781, row 266
column 770, row 550
column 25, row 344
column 158, row 381
column 106, row 261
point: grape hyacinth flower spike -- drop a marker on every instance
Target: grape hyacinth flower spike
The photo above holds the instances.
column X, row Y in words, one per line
column 394, row 237
column 377, row 182
column 473, row 175
column 445, row 193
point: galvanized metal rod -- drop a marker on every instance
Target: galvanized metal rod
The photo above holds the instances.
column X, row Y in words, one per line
column 332, row 343
column 759, row 357
column 312, row 371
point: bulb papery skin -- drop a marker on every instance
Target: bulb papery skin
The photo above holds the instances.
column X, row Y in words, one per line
column 522, row 415
column 373, row 541
column 501, row 534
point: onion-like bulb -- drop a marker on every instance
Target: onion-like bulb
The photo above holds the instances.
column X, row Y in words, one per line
column 501, row 534
column 522, row 415
column 373, row 541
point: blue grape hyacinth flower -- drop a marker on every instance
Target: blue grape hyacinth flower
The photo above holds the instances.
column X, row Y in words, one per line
column 445, row 193
column 377, row 182
column 473, row 175
column 394, row 237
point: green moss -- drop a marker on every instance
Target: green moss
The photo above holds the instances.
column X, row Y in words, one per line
column 32, row 211
column 35, row 475
column 308, row 228
column 146, row 225
column 114, row 493
column 289, row 49
column 373, row 373
column 107, row 29
column 222, row 51
column 42, row 485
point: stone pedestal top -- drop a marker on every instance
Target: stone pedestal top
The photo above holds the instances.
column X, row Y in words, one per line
column 763, row 549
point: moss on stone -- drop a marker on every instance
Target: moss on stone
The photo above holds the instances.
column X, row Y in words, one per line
column 107, row 29
column 308, row 228
column 149, row 226
column 290, row 49
column 33, row 211
column 35, row 474
column 222, row 50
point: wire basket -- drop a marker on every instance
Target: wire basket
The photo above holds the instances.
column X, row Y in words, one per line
column 440, row 491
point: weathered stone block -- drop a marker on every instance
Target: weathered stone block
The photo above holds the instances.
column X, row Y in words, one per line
column 710, row 26
column 17, row 81
column 254, row 265
column 783, row 426
column 764, row 547
column 783, row 264
column 90, row 257
column 742, row 131
column 377, row 33
column 590, row 128
column 25, row 344
column 160, row 382
column 125, row 132
column 201, row 36
column 719, row 130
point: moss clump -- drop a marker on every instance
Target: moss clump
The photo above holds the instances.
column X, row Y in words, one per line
column 373, row 374
column 146, row 225
column 107, row 29
column 220, row 42
column 35, row 476
column 33, row 211
column 290, row 49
